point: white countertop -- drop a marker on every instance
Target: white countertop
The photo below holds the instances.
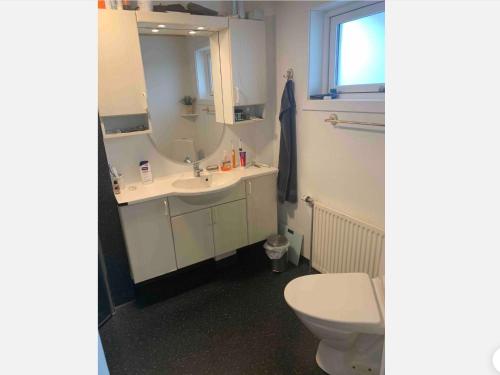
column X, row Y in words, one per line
column 162, row 186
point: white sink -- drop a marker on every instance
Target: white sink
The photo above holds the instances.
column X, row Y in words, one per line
column 206, row 182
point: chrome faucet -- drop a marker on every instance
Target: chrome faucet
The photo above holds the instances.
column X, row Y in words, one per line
column 196, row 169
column 196, row 166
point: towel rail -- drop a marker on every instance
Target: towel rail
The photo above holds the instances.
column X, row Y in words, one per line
column 334, row 120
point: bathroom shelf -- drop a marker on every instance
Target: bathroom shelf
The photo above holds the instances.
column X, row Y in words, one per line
column 252, row 121
column 117, row 126
column 129, row 134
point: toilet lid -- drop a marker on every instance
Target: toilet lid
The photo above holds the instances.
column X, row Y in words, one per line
column 338, row 297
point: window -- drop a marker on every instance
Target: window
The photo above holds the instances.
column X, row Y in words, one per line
column 204, row 73
column 347, row 51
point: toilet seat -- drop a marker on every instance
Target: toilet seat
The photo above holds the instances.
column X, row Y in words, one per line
column 347, row 300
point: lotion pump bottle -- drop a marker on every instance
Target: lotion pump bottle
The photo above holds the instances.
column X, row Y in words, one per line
column 145, row 170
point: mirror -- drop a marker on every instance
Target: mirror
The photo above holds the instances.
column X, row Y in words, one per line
column 180, row 92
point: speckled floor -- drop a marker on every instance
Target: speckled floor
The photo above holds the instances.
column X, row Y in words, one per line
column 239, row 323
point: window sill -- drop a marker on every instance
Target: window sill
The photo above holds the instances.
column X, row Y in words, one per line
column 346, row 105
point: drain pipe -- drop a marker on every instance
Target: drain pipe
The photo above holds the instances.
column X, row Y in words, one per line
column 310, row 202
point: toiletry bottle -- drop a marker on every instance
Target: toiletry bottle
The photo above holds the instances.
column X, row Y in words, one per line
column 243, row 156
column 226, row 163
column 233, row 156
column 240, row 150
column 145, row 170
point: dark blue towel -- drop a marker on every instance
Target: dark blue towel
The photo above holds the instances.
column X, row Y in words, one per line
column 287, row 177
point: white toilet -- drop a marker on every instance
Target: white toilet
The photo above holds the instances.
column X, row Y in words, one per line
column 346, row 312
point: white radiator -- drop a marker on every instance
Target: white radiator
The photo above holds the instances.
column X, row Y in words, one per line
column 344, row 244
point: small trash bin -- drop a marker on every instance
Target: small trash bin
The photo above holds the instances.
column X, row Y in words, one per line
column 277, row 250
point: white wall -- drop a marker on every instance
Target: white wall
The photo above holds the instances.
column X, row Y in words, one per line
column 341, row 167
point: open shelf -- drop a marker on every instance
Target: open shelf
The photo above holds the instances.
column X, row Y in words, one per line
column 250, row 114
column 125, row 125
column 127, row 134
column 251, row 121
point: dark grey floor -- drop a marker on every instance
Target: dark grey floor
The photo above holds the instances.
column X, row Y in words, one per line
column 239, row 323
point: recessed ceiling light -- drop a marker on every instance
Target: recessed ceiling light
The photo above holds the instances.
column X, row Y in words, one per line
column 200, row 28
column 161, row 26
column 192, row 32
column 155, row 30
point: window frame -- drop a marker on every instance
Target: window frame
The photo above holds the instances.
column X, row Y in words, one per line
column 203, row 63
column 332, row 21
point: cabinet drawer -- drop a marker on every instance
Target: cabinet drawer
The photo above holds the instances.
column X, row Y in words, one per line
column 183, row 204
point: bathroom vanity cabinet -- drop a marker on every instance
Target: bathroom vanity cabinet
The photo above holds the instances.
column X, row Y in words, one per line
column 210, row 232
column 261, row 207
column 194, row 239
column 170, row 233
column 148, row 236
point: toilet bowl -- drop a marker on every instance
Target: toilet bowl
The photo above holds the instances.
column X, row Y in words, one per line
column 346, row 312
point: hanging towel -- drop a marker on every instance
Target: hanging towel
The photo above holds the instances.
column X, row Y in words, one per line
column 287, row 176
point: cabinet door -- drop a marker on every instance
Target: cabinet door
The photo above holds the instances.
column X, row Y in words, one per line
column 148, row 236
column 230, row 226
column 193, row 237
column 262, row 207
column 122, row 88
column 248, row 61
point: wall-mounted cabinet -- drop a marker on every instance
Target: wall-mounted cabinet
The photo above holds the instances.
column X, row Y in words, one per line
column 243, row 67
column 122, row 88
column 237, row 62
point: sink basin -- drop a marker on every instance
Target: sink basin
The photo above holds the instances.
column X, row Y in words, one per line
column 207, row 182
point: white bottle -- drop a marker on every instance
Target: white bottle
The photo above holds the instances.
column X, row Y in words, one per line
column 146, row 173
